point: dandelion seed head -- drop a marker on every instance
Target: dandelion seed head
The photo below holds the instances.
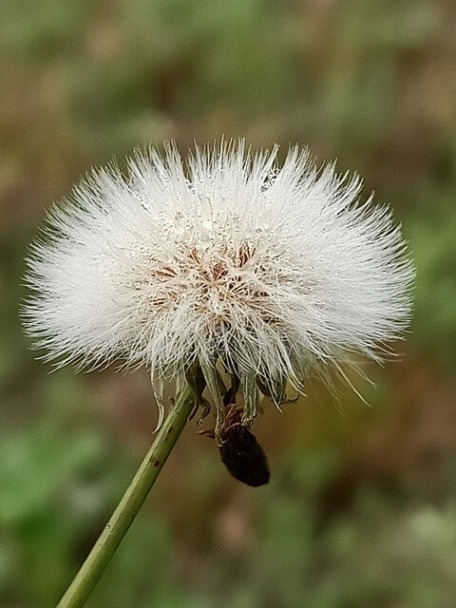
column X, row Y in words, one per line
column 226, row 255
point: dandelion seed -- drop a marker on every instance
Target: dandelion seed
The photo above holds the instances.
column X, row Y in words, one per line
column 224, row 263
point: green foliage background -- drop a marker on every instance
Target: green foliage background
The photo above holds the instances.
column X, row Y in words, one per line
column 361, row 509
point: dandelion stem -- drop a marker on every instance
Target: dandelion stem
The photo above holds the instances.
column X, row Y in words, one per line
column 116, row 528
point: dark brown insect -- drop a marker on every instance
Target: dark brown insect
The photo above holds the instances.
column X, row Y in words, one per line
column 243, row 456
column 241, row 453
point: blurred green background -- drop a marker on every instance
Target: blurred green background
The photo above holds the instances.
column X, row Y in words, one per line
column 361, row 509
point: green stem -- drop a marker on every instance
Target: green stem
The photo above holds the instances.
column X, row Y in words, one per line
column 105, row 547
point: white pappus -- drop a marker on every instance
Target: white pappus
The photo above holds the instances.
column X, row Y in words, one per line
column 223, row 258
